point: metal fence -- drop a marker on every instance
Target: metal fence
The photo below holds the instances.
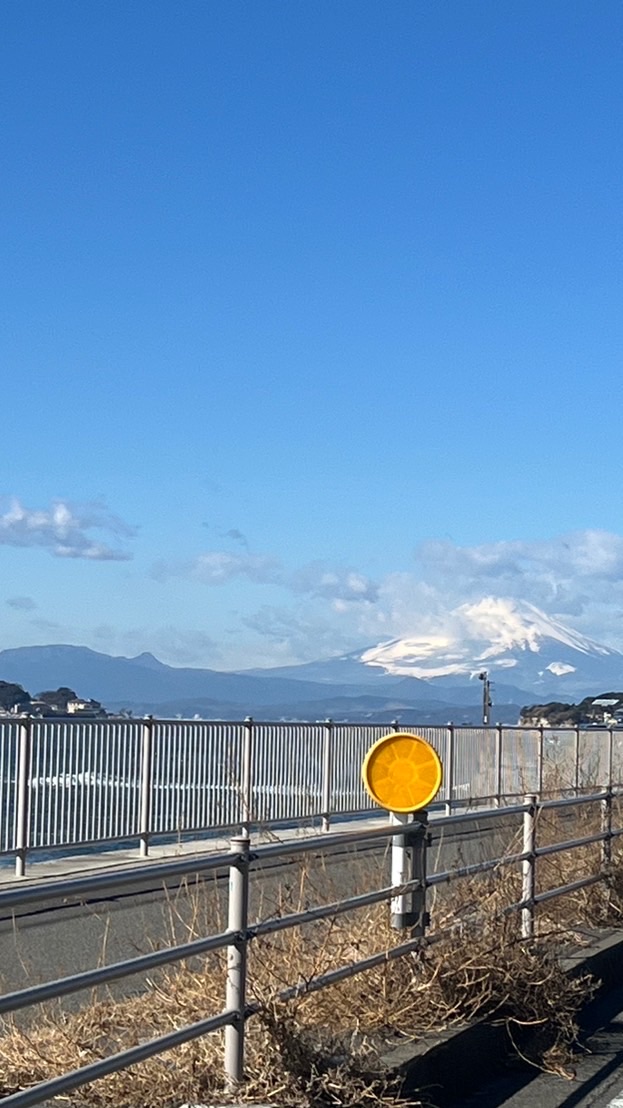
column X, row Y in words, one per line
column 409, row 843
column 73, row 783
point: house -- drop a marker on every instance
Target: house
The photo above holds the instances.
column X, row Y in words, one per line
column 89, row 708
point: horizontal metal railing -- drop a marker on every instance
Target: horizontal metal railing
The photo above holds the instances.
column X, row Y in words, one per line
column 240, row 863
column 68, row 784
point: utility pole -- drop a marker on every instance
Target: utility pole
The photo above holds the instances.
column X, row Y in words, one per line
column 486, row 696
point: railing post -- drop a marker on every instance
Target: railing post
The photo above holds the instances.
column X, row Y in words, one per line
column 146, row 786
column 23, row 798
column 327, row 773
column 449, row 769
column 539, row 761
column 528, row 867
column 246, row 786
column 236, row 990
column 576, row 774
column 606, row 809
column 499, row 764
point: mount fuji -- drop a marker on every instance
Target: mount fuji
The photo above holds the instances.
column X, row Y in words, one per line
column 514, row 641
column 523, row 650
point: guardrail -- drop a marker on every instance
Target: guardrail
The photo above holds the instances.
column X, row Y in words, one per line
column 72, row 783
column 408, row 903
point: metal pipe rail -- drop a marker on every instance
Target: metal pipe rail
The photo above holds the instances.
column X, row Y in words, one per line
column 240, row 862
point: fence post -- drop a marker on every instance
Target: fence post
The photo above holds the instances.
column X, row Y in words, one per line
column 528, row 867
column 606, row 809
column 576, row 776
column 449, row 768
column 146, row 786
column 236, row 990
column 23, row 798
column 327, row 773
column 246, row 786
column 539, row 764
column 499, row 766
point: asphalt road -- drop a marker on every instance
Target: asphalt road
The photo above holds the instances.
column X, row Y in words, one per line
column 597, row 1081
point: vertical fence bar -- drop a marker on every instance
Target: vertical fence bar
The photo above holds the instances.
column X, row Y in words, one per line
column 327, row 773
column 528, row 867
column 246, row 783
column 540, row 759
column 23, row 798
column 499, row 764
column 606, row 809
column 236, row 990
column 576, row 759
column 449, row 767
column 146, row 786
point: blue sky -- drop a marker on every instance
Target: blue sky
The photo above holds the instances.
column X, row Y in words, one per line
column 310, row 320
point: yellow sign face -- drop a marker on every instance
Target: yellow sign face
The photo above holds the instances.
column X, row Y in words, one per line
column 402, row 772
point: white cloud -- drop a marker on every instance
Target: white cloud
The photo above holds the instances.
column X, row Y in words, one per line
column 577, row 578
column 217, row 567
column 316, row 579
column 65, row 530
column 21, row 603
column 291, row 635
column 337, row 584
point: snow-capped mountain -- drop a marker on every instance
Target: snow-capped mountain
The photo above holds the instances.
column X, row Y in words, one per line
column 513, row 641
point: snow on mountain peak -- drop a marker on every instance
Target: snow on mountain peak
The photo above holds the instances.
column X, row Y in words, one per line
column 509, row 624
column 493, row 633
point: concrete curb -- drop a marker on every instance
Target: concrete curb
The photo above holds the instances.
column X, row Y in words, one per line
column 453, row 1064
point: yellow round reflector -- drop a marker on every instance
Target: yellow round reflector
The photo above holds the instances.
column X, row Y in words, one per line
column 402, row 772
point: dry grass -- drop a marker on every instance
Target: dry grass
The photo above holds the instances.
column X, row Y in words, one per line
column 325, row 1048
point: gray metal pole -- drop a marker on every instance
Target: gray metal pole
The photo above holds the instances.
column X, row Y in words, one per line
column 576, row 775
column 327, row 774
column 499, row 764
column 22, row 814
column 146, row 787
column 540, row 756
column 236, row 990
column 528, row 867
column 606, row 809
column 246, row 785
column 449, row 770
column 419, row 848
column 408, row 910
column 402, row 872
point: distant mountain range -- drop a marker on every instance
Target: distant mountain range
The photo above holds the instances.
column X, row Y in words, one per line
column 420, row 679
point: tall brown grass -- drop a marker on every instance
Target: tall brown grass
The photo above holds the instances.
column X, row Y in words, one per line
column 326, row 1047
